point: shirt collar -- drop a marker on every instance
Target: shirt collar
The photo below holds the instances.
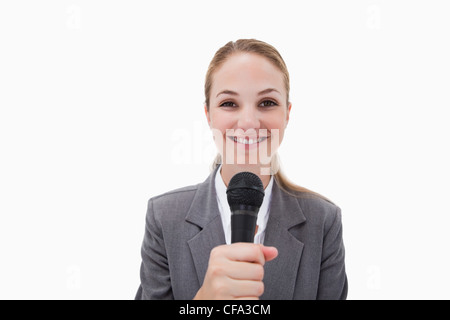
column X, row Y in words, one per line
column 221, row 189
column 224, row 208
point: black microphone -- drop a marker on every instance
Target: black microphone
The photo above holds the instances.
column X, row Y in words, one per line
column 245, row 194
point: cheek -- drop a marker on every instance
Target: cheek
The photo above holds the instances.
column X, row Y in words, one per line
column 276, row 123
column 221, row 123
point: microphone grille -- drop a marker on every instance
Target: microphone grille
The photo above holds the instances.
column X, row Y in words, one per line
column 245, row 188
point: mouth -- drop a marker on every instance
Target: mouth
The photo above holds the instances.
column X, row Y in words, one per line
column 247, row 140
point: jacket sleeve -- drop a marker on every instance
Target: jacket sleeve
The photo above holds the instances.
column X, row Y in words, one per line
column 333, row 279
column 155, row 275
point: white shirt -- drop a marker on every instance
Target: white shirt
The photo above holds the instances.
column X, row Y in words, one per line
column 225, row 212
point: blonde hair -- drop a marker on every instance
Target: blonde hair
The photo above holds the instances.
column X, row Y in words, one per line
column 269, row 52
column 250, row 46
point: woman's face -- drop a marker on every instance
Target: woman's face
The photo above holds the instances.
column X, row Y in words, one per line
column 248, row 112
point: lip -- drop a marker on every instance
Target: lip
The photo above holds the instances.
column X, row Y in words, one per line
column 247, row 141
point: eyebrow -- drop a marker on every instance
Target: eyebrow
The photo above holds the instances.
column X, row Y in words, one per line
column 266, row 91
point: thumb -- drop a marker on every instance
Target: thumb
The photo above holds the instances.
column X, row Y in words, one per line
column 270, row 253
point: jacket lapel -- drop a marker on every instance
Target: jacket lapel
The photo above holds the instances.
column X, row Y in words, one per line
column 281, row 273
column 285, row 213
column 205, row 214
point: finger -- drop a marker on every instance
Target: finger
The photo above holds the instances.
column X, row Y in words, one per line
column 246, row 288
column 240, row 270
column 248, row 252
column 269, row 253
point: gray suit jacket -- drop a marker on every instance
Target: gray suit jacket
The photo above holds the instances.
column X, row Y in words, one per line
column 182, row 226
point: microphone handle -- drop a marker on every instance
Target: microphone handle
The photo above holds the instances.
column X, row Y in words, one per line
column 243, row 225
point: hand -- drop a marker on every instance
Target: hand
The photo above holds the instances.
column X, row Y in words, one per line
column 236, row 271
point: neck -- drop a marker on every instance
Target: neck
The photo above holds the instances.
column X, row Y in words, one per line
column 228, row 171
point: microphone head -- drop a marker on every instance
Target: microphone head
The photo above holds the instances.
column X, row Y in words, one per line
column 245, row 189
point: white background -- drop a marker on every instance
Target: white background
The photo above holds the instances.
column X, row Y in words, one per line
column 101, row 108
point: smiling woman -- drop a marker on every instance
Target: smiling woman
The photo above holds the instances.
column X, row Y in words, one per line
column 298, row 250
column 247, row 95
column 252, row 64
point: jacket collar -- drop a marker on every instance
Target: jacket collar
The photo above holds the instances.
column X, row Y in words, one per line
column 285, row 213
column 204, row 207
column 280, row 274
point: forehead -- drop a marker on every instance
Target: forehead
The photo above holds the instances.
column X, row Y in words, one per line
column 247, row 71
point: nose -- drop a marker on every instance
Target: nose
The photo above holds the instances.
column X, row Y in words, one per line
column 248, row 118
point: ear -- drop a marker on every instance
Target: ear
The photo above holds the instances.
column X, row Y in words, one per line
column 207, row 116
column 288, row 113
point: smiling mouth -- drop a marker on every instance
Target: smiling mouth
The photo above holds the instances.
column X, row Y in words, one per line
column 247, row 140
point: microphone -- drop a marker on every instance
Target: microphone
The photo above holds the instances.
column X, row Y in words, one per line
column 245, row 194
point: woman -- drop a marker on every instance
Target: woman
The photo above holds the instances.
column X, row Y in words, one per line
column 298, row 251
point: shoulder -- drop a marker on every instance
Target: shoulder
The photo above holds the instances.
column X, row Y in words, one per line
column 174, row 197
column 175, row 205
column 166, row 205
column 318, row 209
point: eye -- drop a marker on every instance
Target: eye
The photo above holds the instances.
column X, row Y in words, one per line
column 268, row 103
column 228, row 104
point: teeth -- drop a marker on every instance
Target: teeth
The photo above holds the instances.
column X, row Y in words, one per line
column 249, row 141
